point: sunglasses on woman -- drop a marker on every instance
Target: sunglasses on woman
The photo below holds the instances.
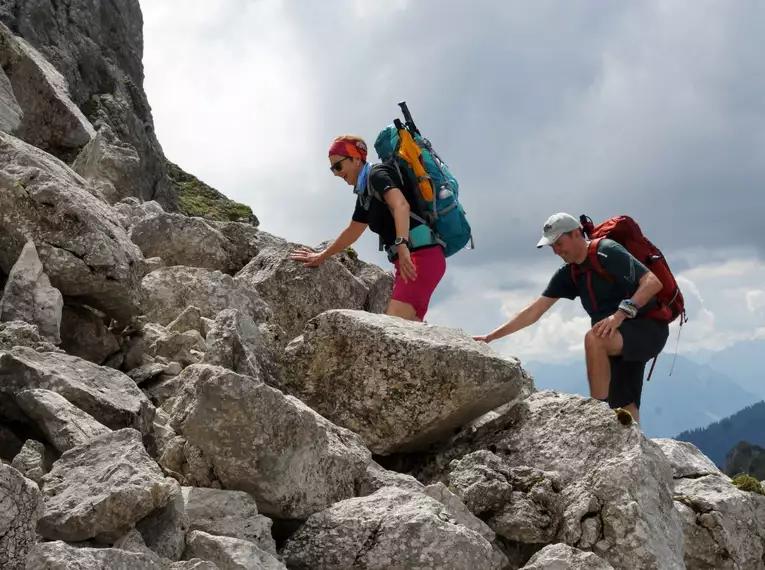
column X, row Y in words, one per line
column 336, row 166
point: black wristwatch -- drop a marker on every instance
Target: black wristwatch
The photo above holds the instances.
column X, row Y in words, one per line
column 400, row 240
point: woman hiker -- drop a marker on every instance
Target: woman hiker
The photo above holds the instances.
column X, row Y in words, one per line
column 419, row 261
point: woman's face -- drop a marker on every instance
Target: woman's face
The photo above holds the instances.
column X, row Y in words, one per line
column 346, row 168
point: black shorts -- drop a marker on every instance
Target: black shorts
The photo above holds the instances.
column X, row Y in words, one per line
column 643, row 340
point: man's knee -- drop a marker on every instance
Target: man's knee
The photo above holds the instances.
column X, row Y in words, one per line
column 591, row 341
column 610, row 345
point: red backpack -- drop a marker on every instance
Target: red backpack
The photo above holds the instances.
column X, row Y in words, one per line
column 626, row 231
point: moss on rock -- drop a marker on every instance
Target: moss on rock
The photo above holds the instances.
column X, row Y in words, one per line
column 352, row 253
column 748, row 483
column 195, row 198
column 625, row 418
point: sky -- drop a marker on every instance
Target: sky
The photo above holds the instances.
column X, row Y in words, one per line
column 650, row 108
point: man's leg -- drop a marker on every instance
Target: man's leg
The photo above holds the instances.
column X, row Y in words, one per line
column 642, row 340
column 597, row 350
column 626, row 385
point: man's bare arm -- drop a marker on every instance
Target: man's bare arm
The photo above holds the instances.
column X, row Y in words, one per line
column 648, row 286
column 523, row 319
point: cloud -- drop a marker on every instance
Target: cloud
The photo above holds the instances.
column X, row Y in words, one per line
column 649, row 108
column 755, row 301
column 231, row 94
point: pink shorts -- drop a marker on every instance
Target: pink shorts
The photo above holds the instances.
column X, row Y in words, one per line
column 431, row 266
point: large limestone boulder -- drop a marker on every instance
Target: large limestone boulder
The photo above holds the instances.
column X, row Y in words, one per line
column 180, row 240
column 107, row 395
column 228, row 552
column 399, row 384
column 163, row 531
column 10, row 111
column 58, row 555
column 686, row 459
column 564, row 557
column 50, row 120
column 101, row 489
column 724, row 526
column 523, row 505
column 131, row 210
column 235, row 342
column 109, row 164
column 20, row 508
column 297, row 293
column 21, row 333
column 245, row 240
column 65, row 426
column 171, row 290
column 193, row 241
column 84, row 250
column 228, row 513
column 292, row 460
column 558, row 467
column 85, row 333
column 380, row 284
column 392, row 528
column 379, row 281
column 32, row 461
column 29, row 297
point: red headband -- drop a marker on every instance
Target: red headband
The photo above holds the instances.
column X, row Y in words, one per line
column 349, row 148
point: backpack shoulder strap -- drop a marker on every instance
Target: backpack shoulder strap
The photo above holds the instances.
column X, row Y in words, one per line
column 375, row 194
column 369, row 191
column 594, row 265
column 592, row 255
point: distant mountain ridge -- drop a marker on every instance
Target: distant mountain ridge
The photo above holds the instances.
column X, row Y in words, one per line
column 745, row 363
column 719, row 438
column 746, row 458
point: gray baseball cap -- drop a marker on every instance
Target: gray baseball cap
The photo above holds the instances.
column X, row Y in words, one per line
column 557, row 225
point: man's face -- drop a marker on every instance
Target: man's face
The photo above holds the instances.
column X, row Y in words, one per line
column 565, row 247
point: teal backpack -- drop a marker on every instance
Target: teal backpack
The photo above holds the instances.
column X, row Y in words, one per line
column 402, row 145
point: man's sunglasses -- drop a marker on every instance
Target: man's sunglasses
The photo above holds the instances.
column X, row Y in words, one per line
column 336, row 166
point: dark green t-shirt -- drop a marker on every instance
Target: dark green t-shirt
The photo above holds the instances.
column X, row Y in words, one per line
column 625, row 270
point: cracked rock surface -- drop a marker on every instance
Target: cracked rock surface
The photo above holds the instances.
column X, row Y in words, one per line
column 612, row 490
column 392, row 528
column 85, row 251
column 101, row 489
column 20, row 508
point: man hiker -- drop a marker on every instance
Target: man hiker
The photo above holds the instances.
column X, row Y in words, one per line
column 622, row 339
column 419, row 261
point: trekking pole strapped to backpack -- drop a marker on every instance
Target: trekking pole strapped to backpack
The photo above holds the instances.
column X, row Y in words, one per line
column 408, row 118
column 437, row 190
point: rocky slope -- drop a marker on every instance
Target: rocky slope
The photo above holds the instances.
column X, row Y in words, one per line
column 176, row 394
column 72, row 85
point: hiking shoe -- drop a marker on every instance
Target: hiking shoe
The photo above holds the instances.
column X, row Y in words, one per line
column 625, row 418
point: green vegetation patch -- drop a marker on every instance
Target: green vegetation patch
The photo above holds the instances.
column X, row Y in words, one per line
column 195, row 198
column 748, row 483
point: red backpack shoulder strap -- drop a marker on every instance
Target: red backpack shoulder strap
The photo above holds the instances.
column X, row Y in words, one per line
column 592, row 255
